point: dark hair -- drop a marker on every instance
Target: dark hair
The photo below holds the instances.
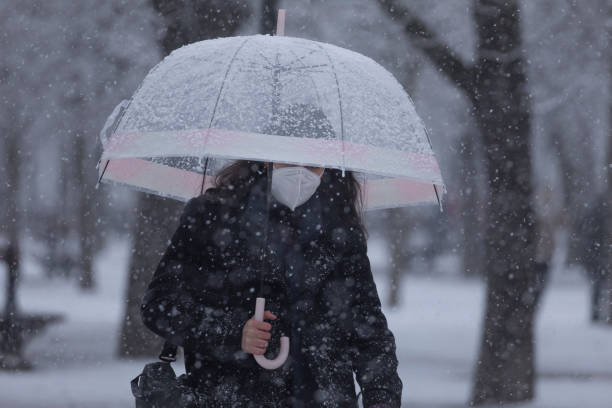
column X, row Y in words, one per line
column 343, row 191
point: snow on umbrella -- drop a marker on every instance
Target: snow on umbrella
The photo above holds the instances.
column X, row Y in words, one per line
column 217, row 100
column 272, row 99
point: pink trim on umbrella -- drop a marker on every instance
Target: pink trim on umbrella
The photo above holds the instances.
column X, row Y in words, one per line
column 254, row 146
column 395, row 192
column 184, row 184
column 157, row 177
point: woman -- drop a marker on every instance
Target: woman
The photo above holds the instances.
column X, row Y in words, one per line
column 318, row 289
column 316, row 281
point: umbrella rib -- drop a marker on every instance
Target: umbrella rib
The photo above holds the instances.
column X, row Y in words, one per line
column 212, row 117
column 431, row 147
column 229, row 67
column 292, row 69
column 333, row 69
column 103, row 171
column 266, row 58
column 299, row 59
column 309, row 72
column 314, row 85
column 438, row 197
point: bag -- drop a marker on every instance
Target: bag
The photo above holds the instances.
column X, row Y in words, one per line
column 158, row 387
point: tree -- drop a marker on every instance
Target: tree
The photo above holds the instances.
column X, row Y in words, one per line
column 470, row 185
column 496, row 86
column 105, row 45
column 269, row 9
column 606, row 253
column 71, row 78
column 399, row 225
column 568, row 112
column 16, row 84
column 186, row 21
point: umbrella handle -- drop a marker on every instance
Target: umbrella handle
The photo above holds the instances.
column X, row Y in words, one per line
column 273, row 364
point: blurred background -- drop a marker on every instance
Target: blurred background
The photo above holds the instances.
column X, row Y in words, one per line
column 504, row 297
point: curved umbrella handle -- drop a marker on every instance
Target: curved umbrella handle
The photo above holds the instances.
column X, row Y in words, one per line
column 260, row 305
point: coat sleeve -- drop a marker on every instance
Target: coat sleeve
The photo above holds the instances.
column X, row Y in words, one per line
column 178, row 306
column 374, row 361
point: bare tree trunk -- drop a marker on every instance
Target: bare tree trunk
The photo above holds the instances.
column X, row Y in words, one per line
column 471, row 213
column 592, row 255
column 397, row 235
column 12, row 216
column 156, row 219
column 569, row 211
column 399, row 224
column 606, row 252
column 268, row 18
column 60, row 258
column 496, row 87
column 607, row 242
column 12, row 336
column 505, row 371
column 85, row 213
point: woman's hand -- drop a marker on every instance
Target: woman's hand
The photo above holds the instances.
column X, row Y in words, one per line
column 255, row 335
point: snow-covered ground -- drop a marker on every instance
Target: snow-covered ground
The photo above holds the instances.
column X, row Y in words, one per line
column 437, row 330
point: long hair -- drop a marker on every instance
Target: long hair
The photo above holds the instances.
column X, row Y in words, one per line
column 342, row 192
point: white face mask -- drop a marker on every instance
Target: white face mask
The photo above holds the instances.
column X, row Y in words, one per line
column 294, row 185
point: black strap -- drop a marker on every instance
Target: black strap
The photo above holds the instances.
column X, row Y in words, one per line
column 168, row 353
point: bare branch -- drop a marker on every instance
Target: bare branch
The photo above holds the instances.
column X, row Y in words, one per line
column 425, row 39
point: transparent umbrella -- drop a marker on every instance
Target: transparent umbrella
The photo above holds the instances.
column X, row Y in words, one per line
column 272, row 99
column 218, row 100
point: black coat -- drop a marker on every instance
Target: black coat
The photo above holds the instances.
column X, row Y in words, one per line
column 205, row 286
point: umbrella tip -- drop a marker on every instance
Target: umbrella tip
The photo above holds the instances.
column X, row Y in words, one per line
column 438, row 197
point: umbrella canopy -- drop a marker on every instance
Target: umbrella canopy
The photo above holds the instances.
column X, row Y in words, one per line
column 248, row 98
